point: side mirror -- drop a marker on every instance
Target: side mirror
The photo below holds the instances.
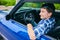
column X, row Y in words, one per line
column 8, row 17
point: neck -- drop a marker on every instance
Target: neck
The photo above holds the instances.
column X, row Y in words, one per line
column 48, row 18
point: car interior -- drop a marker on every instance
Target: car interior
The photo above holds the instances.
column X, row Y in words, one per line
column 22, row 14
column 21, row 17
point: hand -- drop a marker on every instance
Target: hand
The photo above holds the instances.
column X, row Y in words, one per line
column 31, row 32
column 29, row 26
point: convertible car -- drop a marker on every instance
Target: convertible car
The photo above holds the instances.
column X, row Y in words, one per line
column 12, row 24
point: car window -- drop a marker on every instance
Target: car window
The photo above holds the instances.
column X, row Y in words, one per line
column 36, row 5
column 29, row 5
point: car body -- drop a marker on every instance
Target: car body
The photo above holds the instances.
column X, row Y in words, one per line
column 11, row 24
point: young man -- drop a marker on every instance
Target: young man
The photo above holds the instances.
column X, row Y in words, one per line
column 47, row 22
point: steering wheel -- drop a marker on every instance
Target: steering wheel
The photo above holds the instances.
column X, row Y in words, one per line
column 29, row 17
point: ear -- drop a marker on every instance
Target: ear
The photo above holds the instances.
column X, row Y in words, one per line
column 50, row 14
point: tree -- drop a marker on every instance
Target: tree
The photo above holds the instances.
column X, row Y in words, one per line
column 7, row 2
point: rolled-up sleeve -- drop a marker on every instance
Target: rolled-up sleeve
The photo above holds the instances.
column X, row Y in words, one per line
column 39, row 30
column 43, row 27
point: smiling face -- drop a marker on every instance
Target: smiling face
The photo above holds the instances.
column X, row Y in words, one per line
column 44, row 14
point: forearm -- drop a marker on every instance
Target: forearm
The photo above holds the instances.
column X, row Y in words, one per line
column 31, row 32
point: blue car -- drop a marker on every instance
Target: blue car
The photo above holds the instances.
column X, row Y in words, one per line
column 13, row 25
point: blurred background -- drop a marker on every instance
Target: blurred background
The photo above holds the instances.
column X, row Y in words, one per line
column 8, row 4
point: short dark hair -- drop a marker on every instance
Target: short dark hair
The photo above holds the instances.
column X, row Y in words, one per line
column 49, row 7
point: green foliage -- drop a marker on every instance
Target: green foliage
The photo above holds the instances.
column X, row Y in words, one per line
column 38, row 5
column 31, row 4
column 7, row 2
column 57, row 6
column 2, row 2
column 27, row 4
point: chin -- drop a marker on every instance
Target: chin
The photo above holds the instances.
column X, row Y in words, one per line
column 42, row 18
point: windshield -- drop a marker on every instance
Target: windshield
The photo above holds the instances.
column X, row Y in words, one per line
column 36, row 5
column 31, row 5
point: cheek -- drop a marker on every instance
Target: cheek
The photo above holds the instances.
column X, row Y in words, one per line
column 45, row 15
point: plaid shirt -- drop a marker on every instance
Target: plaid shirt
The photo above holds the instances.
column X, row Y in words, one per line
column 44, row 26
